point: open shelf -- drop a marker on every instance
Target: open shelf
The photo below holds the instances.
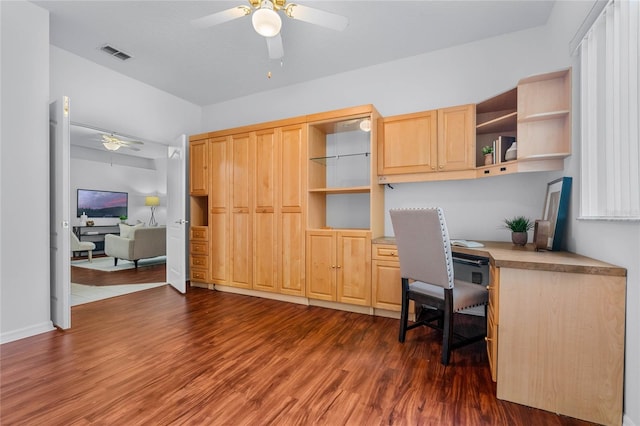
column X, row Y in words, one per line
column 544, row 116
column 499, row 124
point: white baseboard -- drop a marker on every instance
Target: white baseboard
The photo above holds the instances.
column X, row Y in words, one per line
column 22, row 333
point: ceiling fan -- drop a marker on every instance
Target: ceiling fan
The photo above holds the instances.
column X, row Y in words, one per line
column 113, row 143
column 266, row 20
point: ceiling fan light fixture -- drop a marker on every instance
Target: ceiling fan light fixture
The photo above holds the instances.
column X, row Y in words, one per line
column 111, row 146
column 266, row 21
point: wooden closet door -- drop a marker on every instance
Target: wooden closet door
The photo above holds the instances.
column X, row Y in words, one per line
column 241, row 230
column 219, row 209
column 291, row 253
column 265, row 231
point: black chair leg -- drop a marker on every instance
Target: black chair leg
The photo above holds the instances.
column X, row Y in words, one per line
column 447, row 337
column 135, row 262
column 115, row 261
column 404, row 312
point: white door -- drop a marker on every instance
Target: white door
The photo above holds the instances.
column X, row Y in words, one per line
column 60, row 256
column 176, row 215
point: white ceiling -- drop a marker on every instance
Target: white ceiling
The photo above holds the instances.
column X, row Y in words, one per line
column 207, row 66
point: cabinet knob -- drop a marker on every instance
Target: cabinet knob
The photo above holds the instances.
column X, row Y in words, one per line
column 339, row 266
column 488, row 287
column 486, row 339
column 333, row 266
column 441, row 166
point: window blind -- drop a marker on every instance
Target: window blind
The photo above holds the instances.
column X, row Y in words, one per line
column 610, row 80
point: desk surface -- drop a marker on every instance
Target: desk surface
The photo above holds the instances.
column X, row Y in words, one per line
column 507, row 255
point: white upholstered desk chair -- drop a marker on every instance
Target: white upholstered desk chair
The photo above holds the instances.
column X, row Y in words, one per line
column 77, row 245
column 426, row 269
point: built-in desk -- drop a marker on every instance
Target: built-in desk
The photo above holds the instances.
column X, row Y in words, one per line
column 555, row 330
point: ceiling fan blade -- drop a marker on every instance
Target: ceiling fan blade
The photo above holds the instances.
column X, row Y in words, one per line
column 274, row 45
column 131, row 142
column 221, row 17
column 317, row 16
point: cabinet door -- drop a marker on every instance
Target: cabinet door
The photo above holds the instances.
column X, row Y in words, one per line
column 387, row 287
column 198, row 162
column 265, row 232
column 219, row 210
column 291, row 258
column 241, row 229
column 456, row 138
column 354, row 267
column 408, row 144
column 321, row 266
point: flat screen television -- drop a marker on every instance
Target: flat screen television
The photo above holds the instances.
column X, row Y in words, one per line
column 95, row 203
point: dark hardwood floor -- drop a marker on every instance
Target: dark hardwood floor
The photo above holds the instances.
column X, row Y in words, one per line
column 211, row 358
column 141, row 275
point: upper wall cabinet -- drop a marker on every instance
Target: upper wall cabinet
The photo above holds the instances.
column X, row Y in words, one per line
column 529, row 127
column 414, row 146
column 198, row 163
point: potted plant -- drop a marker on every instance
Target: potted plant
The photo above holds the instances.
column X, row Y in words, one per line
column 519, row 225
column 487, row 151
column 123, row 218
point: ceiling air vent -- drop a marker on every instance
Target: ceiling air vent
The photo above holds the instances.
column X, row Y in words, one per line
column 117, row 53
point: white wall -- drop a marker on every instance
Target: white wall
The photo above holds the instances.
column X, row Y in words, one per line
column 475, row 208
column 24, row 171
column 108, row 100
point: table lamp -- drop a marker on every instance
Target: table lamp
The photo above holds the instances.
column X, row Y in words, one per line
column 152, row 201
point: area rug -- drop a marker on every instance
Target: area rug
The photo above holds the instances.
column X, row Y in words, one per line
column 106, row 263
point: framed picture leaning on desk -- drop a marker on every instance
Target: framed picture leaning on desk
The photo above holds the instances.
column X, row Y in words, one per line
column 556, row 209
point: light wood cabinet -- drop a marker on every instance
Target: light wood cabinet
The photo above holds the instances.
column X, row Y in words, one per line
column 561, row 342
column 440, row 140
column 292, row 210
column 409, row 144
column 278, row 221
column 198, row 167
column 346, row 205
column 241, row 229
column 199, row 253
column 385, row 277
column 219, row 209
column 339, row 266
column 456, row 138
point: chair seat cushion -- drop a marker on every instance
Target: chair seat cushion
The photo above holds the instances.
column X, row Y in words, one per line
column 87, row 245
column 465, row 294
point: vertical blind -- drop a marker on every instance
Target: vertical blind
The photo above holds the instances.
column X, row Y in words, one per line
column 610, row 114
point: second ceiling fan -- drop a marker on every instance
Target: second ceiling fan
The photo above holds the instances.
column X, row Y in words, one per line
column 266, row 20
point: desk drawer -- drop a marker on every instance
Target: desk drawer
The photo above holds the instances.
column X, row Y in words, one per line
column 385, row 252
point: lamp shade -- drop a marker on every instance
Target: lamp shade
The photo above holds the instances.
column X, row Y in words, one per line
column 266, row 21
column 152, row 200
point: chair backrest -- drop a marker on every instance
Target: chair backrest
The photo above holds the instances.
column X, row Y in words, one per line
column 75, row 243
column 423, row 244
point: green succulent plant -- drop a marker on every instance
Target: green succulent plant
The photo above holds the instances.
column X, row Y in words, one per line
column 518, row 224
column 487, row 150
